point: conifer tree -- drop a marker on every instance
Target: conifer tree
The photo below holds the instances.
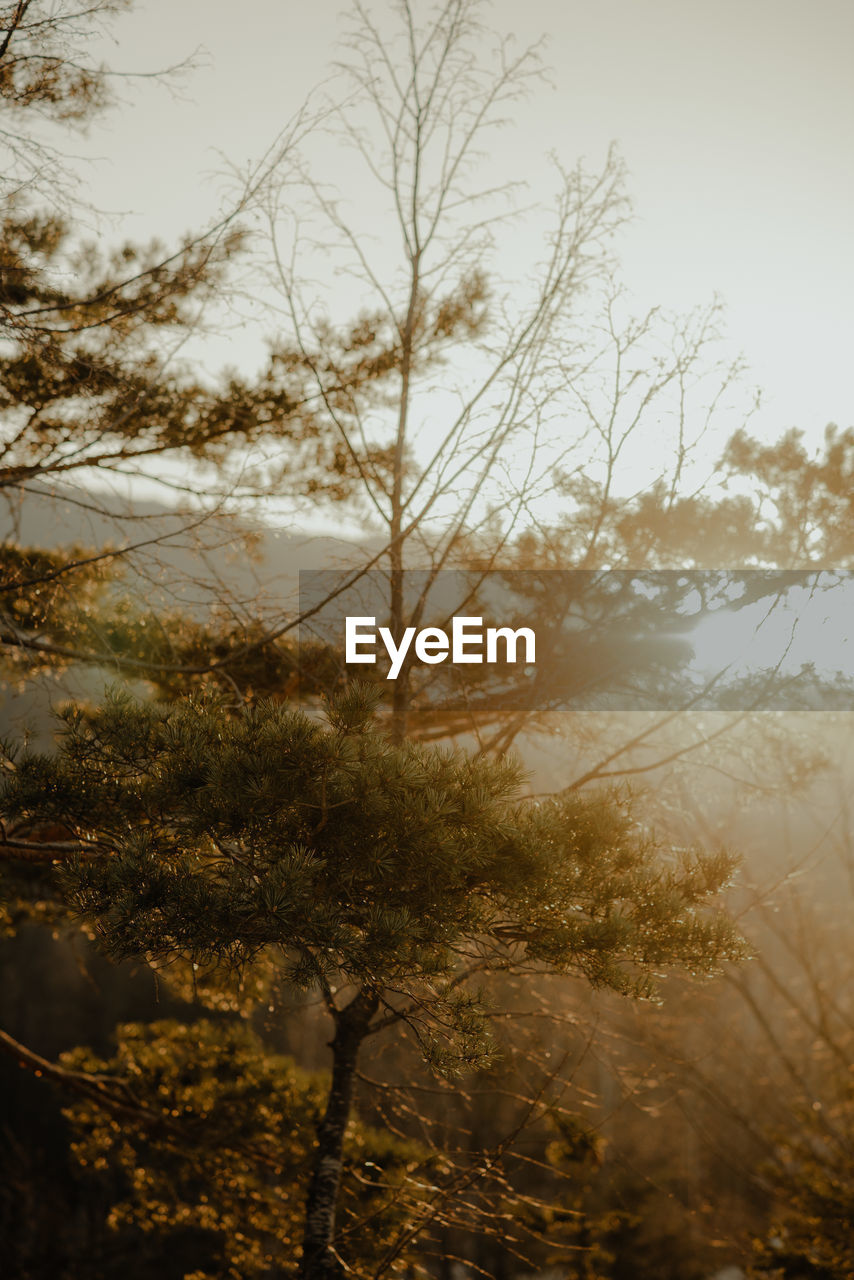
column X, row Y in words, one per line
column 390, row 878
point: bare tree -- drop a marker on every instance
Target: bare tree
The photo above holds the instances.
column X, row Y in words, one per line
column 503, row 380
column 420, row 106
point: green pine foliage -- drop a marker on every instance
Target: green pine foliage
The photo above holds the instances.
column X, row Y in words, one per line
column 239, row 852
column 229, row 841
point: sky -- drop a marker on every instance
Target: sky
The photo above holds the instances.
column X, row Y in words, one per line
column 735, row 120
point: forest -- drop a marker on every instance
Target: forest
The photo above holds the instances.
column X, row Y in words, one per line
column 316, row 969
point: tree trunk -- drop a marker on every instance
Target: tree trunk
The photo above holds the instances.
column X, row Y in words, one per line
column 351, row 1027
column 400, row 693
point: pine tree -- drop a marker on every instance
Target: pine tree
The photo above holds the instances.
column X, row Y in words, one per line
column 390, row 878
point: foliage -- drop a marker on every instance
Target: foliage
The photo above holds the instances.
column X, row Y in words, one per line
column 803, row 496
column 88, row 377
column 217, row 1140
column 576, row 1228
column 46, row 72
column 812, row 1227
column 263, row 842
column 213, row 837
column 62, row 608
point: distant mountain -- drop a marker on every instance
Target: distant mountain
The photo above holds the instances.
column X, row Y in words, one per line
column 179, row 556
column 181, row 560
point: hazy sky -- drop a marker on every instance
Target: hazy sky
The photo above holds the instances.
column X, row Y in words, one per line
column 735, row 119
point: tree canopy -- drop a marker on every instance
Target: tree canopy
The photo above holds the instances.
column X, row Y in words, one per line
column 390, row 877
